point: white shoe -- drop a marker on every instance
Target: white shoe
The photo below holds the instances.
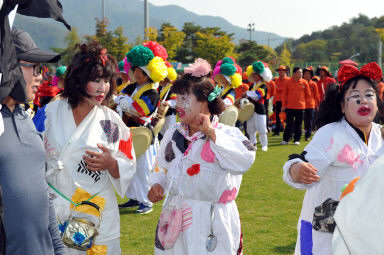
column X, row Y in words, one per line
column 264, row 148
column 296, row 143
column 284, row 143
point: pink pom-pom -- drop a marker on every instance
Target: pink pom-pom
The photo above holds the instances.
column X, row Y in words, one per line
column 218, row 64
column 55, row 81
column 127, row 66
column 216, row 71
column 200, row 68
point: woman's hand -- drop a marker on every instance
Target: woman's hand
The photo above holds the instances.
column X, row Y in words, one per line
column 156, row 193
column 304, row 172
column 204, row 122
column 97, row 161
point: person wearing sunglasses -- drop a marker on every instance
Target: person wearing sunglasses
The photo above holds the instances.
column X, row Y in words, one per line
column 29, row 216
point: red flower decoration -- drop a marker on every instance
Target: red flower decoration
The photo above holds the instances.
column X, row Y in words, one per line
column 371, row 70
column 194, row 169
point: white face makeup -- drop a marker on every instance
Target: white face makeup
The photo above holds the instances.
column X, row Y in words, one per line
column 97, row 90
column 183, row 105
column 360, row 104
column 189, row 108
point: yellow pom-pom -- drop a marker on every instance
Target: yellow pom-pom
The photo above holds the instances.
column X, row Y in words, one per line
column 172, row 75
column 158, row 69
column 236, row 80
column 249, row 70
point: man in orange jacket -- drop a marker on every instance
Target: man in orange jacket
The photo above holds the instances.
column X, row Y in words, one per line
column 293, row 101
column 311, row 102
column 279, row 85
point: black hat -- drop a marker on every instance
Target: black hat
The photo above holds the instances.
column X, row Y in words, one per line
column 27, row 50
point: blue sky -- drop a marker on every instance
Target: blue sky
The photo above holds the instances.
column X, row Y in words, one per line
column 287, row 18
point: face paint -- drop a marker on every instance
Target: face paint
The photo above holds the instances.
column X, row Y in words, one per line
column 183, row 105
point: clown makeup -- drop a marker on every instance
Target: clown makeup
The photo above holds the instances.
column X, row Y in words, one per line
column 97, row 90
column 360, row 105
column 183, row 105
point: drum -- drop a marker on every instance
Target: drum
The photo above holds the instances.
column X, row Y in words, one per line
column 141, row 139
column 229, row 116
column 246, row 109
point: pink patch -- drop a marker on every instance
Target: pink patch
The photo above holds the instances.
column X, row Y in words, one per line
column 348, row 155
column 207, row 154
column 187, row 218
column 228, row 196
column 330, row 146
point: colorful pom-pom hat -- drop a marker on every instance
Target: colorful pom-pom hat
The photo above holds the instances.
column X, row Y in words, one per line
column 260, row 68
column 228, row 69
column 151, row 62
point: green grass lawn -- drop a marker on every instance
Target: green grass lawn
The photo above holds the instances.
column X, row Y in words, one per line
column 269, row 208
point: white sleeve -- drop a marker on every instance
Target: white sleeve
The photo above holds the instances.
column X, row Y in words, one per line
column 126, row 161
column 253, row 95
column 172, row 103
column 159, row 173
column 233, row 151
column 317, row 155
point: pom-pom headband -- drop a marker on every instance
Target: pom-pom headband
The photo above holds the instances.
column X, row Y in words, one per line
column 199, row 68
column 371, row 70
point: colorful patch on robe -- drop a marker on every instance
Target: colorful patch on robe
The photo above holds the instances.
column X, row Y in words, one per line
column 193, row 170
column 228, row 196
column 348, row 156
column 126, row 147
column 111, row 130
column 248, row 144
column 207, row 153
column 306, row 242
column 82, row 195
column 97, row 250
column 169, row 153
column 187, row 217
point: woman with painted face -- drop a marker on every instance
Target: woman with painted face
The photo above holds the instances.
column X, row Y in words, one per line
column 199, row 170
column 345, row 146
column 89, row 150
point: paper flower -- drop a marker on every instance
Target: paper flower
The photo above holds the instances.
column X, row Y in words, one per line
column 193, row 170
column 199, row 68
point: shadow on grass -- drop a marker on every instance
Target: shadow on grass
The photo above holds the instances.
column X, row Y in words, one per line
column 127, row 211
column 290, row 248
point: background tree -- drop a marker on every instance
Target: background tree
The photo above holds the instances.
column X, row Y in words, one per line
column 151, row 33
column 250, row 51
column 285, row 56
column 71, row 40
column 171, row 39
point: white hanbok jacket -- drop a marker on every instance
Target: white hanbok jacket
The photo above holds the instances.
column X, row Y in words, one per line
column 339, row 155
column 65, row 145
column 209, row 173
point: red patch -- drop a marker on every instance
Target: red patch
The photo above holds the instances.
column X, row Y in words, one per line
column 194, row 169
column 126, row 147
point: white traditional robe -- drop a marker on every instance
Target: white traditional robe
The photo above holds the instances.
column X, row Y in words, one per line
column 339, row 155
column 65, row 145
column 203, row 177
column 360, row 216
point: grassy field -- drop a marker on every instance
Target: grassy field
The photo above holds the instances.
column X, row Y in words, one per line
column 269, row 209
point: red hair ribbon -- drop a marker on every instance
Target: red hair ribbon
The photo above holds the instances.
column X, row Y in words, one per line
column 371, row 70
column 103, row 57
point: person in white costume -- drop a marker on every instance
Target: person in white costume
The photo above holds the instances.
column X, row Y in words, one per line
column 359, row 216
column 345, row 146
column 199, row 168
column 89, row 149
column 258, row 73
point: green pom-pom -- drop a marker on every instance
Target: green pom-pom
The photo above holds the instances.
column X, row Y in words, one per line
column 258, row 67
column 60, row 71
column 227, row 60
column 139, row 56
column 121, row 66
column 227, row 69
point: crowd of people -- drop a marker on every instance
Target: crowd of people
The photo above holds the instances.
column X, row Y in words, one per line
column 139, row 128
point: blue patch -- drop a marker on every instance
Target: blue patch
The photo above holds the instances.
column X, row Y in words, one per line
column 39, row 119
column 148, row 103
column 306, row 242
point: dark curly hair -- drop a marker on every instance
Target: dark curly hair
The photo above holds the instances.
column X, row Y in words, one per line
column 201, row 87
column 330, row 109
column 89, row 63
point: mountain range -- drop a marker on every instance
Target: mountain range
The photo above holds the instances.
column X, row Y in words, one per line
column 129, row 14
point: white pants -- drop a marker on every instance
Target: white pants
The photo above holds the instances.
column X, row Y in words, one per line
column 139, row 187
column 113, row 248
column 258, row 123
column 170, row 120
